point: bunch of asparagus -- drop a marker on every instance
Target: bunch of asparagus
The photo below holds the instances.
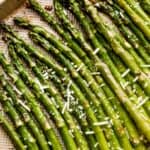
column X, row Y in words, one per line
column 86, row 89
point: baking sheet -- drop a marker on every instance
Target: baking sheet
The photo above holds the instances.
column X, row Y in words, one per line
column 5, row 143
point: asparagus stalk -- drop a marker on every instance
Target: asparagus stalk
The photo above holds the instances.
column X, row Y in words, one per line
column 128, row 103
column 97, row 129
column 80, row 115
column 11, row 132
column 126, row 57
column 143, row 25
column 50, row 89
column 69, row 142
column 76, row 110
column 46, row 83
column 63, row 48
column 49, row 132
column 134, row 136
column 145, row 5
column 107, row 105
column 100, row 94
column 123, row 115
column 49, row 63
column 81, row 118
column 58, row 28
column 76, row 34
column 137, row 90
column 28, row 119
column 130, row 78
column 90, row 114
column 127, row 21
column 129, row 124
column 23, row 22
column 24, row 133
column 102, row 52
column 85, row 27
column 130, row 36
column 136, row 7
column 33, row 52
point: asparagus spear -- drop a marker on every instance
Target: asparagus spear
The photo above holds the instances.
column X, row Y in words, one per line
column 99, row 93
column 145, row 5
column 48, row 63
column 102, row 52
column 127, row 21
column 28, row 119
column 143, row 25
column 11, row 132
column 107, row 105
column 136, row 7
column 122, row 40
column 132, row 80
column 80, row 115
column 24, row 133
column 50, row 89
column 126, row 57
column 49, row 132
column 25, row 56
column 58, row 28
column 57, row 55
column 23, row 22
column 95, row 127
column 69, row 142
column 64, row 49
column 67, row 138
column 134, row 137
column 124, row 30
column 33, row 52
column 76, row 34
column 116, row 122
column 90, row 114
column 132, row 38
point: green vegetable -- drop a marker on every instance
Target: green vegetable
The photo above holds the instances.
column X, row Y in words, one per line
column 35, row 109
column 117, row 16
column 11, row 132
column 27, row 138
column 25, row 113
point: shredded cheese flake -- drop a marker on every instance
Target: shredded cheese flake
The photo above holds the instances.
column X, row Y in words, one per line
column 96, row 51
column 102, row 123
column 142, row 102
column 24, row 105
column 145, row 66
column 69, row 97
column 89, row 132
column 125, row 73
column 95, row 73
column 79, row 68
